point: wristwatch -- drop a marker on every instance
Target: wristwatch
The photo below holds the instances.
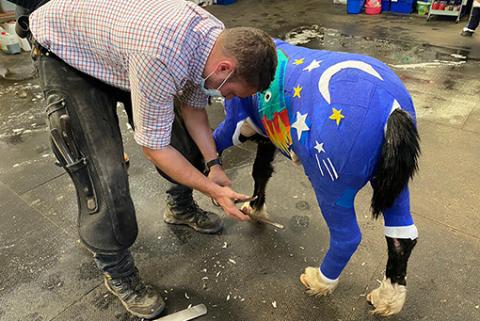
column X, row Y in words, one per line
column 213, row 162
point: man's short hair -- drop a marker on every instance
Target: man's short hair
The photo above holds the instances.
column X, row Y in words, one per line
column 255, row 53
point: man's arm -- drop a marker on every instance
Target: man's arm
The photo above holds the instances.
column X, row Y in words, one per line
column 172, row 163
column 152, row 87
column 196, row 122
column 197, row 125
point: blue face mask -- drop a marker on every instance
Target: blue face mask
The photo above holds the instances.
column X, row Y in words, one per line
column 212, row 92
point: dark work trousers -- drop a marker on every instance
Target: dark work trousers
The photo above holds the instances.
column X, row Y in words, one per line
column 108, row 227
column 474, row 19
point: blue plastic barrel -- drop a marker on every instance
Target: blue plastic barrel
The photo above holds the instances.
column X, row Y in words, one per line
column 402, row 6
column 385, row 5
column 225, row 2
column 354, row 6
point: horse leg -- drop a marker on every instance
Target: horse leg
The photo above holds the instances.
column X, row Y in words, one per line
column 401, row 235
column 261, row 173
column 345, row 236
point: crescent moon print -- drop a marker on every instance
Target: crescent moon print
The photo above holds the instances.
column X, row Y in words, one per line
column 324, row 88
column 324, row 82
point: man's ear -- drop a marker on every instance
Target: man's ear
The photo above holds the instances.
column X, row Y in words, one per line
column 226, row 66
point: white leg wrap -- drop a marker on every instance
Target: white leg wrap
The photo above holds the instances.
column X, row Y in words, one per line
column 388, row 298
column 247, row 130
column 316, row 284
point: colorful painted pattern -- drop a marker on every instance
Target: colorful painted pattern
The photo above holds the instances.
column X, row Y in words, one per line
column 273, row 109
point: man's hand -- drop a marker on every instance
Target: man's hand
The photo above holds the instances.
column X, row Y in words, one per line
column 218, row 176
column 172, row 163
column 226, row 198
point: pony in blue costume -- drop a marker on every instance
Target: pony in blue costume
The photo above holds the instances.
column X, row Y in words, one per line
column 348, row 120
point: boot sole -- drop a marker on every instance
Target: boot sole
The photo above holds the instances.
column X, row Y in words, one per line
column 174, row 221
column 144, row 316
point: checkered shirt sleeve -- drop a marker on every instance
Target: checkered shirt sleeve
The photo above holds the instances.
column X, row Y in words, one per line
column 153, row 113
column 193, row 96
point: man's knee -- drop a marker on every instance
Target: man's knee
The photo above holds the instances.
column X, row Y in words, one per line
column 110, row 229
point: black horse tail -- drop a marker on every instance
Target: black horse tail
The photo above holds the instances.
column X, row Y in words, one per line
column 398, row 162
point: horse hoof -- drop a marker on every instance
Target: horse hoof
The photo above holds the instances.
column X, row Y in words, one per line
column 254, row 212
column 303, row 280
column 388, row 298
column 246, row 208
column 315, row 283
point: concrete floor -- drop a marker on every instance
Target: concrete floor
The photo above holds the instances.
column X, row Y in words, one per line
column 46, row 275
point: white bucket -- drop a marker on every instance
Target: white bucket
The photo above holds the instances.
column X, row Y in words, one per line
column 9, row 43
column 10, row 28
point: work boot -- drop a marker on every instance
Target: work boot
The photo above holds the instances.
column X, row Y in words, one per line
column 467, row 33
column 183, row 210
column 139, row 299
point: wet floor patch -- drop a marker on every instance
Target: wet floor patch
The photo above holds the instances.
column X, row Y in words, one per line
column 443, row 81
column 299, row 223
column 396, row 53
column 302, row 205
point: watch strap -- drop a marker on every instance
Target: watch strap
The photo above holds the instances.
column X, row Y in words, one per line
column 213, row 162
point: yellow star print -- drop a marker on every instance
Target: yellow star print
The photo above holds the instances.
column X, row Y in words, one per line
column 297, row 91
column 337, row 115
column 299, row 61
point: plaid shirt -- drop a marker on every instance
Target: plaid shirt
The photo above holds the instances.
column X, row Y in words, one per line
column 156, row 49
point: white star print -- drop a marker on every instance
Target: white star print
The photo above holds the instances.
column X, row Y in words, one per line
column 319, row 147
column 300, row 124
column 313, row 65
